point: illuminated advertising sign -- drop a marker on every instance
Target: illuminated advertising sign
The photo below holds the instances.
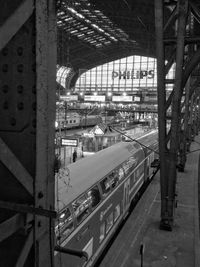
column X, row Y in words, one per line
column 69, row 97
column 122, row 98
column 96, row 98
column 133, row 74
column 136, row 98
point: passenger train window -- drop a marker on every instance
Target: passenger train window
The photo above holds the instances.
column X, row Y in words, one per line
column 113, row 179
column 120, row 173
column 105, row 186
column 102, row 232
column 125, row 167
column 129, row 165
column 137, row 173
column 116, row 212
column 132, row 180
column 94, row 196
column 64, row 225
column 81, row 208
column 109, row 222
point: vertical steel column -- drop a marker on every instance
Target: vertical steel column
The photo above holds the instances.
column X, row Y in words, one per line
column 199, row 115
column 186, row 117
column 196, row 112
column 176, row 101
column 191, row 119
column 161, row 106
column 45, row 91
column 168, row 157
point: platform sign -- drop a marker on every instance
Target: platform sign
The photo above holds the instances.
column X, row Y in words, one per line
column 69, row 142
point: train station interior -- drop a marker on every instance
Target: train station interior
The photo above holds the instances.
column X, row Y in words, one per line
column 99, row 133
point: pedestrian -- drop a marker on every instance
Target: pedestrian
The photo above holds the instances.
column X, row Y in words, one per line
column 74, row 155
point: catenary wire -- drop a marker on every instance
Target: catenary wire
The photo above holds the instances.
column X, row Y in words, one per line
column 132, row 139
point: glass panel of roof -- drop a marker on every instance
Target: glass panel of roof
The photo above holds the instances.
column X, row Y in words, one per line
column 62, row 73
column 91, row 19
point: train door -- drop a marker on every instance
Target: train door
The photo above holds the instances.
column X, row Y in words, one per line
column 126, row 199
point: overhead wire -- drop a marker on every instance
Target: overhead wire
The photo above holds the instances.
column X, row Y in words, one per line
column 135, row 140
column 132, row 139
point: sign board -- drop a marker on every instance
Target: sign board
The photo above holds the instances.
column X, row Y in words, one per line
column 122, row 98
column 69, row 142
column 96, row 98
column 69, row 97
column 133, row 74
column 136, row 98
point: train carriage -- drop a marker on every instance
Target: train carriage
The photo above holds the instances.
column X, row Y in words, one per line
column 96, row 196
column 72, row 120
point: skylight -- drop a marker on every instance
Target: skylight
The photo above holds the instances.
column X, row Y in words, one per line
column 79, row 17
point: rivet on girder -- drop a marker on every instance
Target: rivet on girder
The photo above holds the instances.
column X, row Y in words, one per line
column 20, row 68
column 5, row 68
column 5, row 88
column 20, row 106
column 13, row 121
column 20, row 51
column 20, row 89
column 5, row 51
column 5, row 105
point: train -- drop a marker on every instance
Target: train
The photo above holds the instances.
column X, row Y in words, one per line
column 95, row 196
column 74, row 120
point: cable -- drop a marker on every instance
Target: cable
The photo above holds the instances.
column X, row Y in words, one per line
column 193, row 151
column 134, row 140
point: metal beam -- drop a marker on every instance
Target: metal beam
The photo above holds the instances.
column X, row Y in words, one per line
column 11, row 225
column 171, row 19
column 187, row 40
column 15, row 167
column 25, row 250
column 27, row 209
column 10, row 27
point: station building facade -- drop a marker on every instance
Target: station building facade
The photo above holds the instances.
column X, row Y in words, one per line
column 131, row 79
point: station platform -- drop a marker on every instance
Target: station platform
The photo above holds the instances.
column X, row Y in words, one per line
column 181, row 246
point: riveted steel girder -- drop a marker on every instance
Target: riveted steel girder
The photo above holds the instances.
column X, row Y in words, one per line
column 27, row 110
column 174, row 144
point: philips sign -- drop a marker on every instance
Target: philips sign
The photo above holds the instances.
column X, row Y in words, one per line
column 132, row 74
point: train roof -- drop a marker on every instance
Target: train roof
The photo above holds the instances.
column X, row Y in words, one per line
column 84, row 173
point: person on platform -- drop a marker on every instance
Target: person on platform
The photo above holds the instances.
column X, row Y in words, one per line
column 74, row 155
